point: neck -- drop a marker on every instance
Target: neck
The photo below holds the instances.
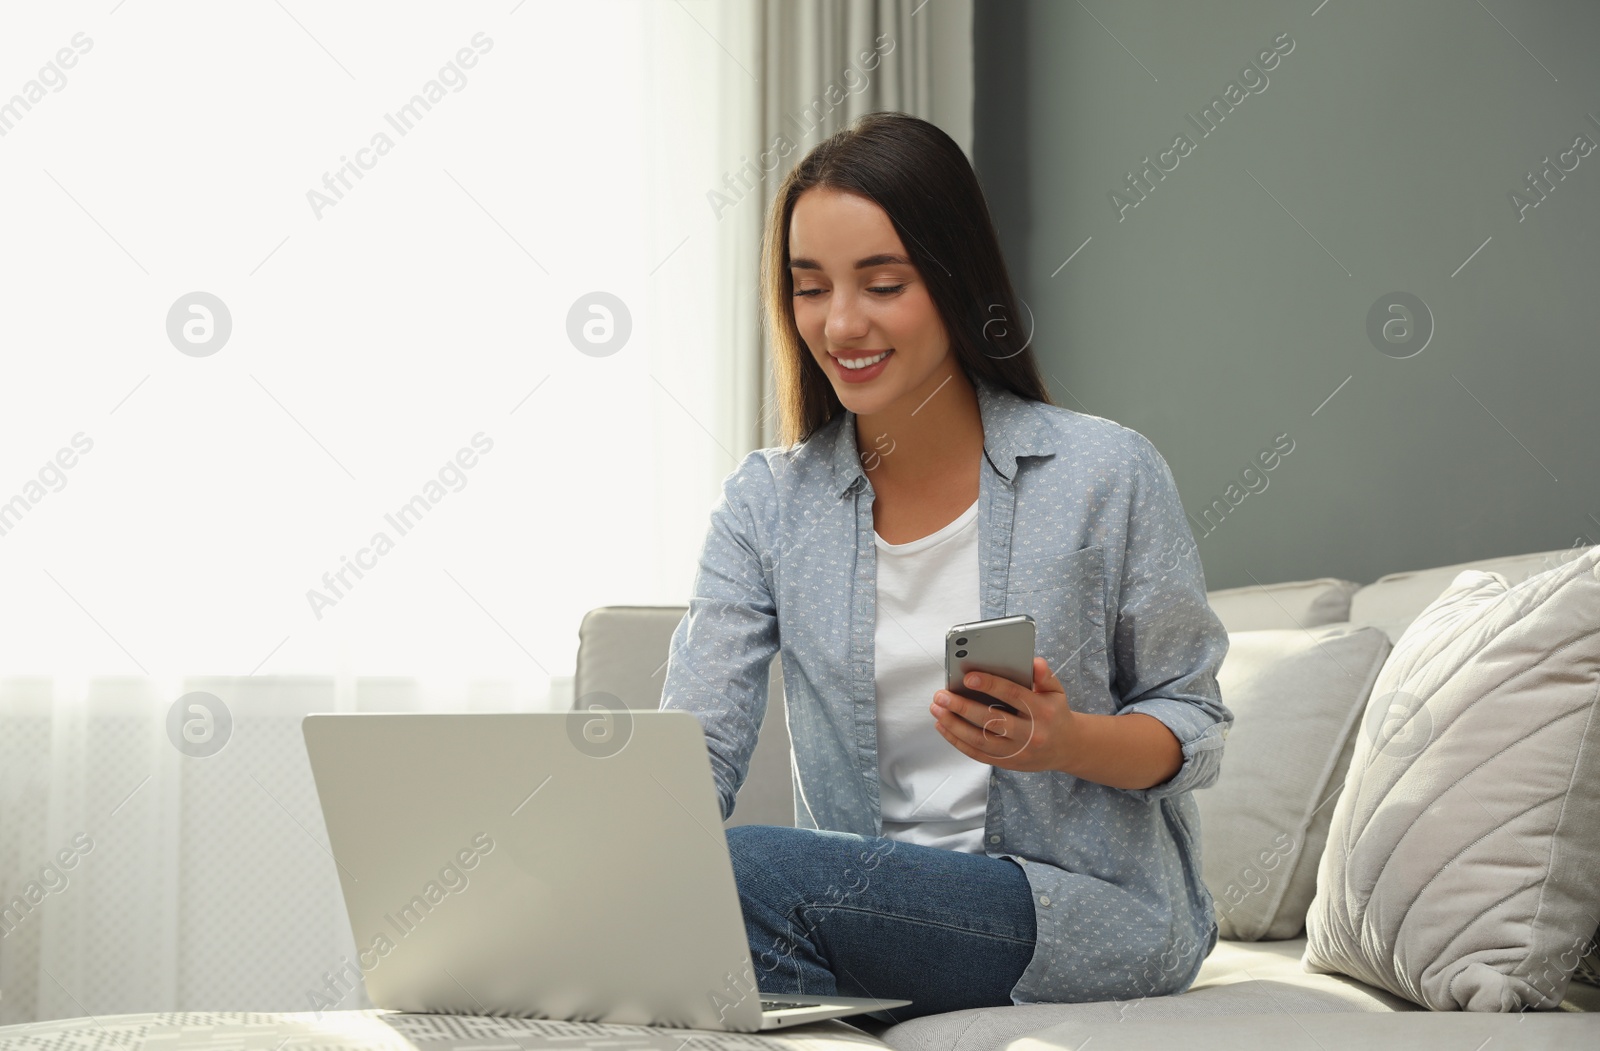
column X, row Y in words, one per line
column 932, row 433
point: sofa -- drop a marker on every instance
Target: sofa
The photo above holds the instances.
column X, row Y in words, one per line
column 1304, row 658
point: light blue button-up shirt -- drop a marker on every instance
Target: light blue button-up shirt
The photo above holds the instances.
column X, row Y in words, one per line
column 1079, row 525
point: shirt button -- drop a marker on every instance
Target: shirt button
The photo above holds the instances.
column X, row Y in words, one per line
column 994, row 839
column 1044, row 899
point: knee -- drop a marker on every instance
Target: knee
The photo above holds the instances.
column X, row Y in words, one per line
column 778, row 862
column 748, row 834
column 745, row 840
column 765, row 846
column 759, row 868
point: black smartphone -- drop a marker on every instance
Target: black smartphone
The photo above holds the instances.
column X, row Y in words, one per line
column 1002, row 646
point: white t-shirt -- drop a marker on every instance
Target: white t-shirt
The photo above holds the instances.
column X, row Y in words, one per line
column 929, row 792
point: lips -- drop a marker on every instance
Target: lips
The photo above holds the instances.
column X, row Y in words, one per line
column 850, row 375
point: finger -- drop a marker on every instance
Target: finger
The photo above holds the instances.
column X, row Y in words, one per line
column 962, row 745
column 965, row 708
column 1019, row 735
column 957, row 725
column 994, row 751
column 983, row 728
column 1045, row 678
column 1000, row 689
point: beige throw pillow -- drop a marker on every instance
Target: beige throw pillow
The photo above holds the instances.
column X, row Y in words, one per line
column 1296, row 698
column 1291, row 604
column 1462, row 869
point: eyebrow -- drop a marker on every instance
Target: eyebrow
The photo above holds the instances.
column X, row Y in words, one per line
column 881, row 259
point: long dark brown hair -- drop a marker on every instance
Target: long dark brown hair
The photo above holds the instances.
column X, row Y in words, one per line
column 921, row 179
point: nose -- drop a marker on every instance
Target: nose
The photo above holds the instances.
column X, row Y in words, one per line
column 846, row 322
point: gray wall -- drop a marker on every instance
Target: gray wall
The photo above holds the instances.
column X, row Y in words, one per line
column 1224, row 309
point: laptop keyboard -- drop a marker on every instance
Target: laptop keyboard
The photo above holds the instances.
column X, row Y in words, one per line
column 779, row 1005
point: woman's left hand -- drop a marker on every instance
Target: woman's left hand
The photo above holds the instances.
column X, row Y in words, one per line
column 1039, row 737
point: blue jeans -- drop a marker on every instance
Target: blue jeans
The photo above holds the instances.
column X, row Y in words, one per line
column 831, row 913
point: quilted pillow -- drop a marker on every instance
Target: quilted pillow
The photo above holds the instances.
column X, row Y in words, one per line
column 1588, row 970
column 1462, row 869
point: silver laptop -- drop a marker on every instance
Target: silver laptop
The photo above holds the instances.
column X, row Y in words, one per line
column 564, row 865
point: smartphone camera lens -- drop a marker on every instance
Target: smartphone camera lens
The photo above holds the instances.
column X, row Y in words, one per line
column 961, row 641
column 961, row 653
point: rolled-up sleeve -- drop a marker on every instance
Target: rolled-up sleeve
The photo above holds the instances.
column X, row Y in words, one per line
column 1169, row 643
column 722, row 649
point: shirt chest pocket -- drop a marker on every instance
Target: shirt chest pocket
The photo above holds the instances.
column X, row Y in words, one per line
column 1065, row 595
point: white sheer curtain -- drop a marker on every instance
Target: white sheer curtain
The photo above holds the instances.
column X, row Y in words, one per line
column 813, row 68
column 407, row 286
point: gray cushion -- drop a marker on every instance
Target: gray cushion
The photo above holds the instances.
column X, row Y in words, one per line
column 1463, row 863
column 1393, row 601
column 1238, row 978
column 1249, row 995
column 1296, row 697
column 1293, row 604
column 622, row 651
column 622, row 654
column 1420, row 1031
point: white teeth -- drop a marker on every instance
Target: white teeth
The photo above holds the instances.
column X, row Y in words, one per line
column 861, row 363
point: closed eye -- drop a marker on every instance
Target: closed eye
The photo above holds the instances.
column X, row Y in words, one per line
column 880, row 289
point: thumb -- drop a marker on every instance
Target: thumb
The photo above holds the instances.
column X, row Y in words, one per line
column 1044, row 680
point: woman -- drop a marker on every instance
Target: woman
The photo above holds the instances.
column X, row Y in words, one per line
column 949, row 853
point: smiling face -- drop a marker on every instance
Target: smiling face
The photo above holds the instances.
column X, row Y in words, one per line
column 857, row 295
